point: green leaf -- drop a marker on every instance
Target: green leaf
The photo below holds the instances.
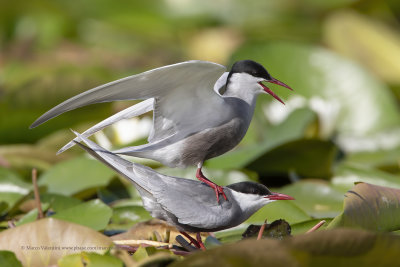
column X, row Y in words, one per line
column 284, row 209
column 85, row 259
column 127, row 216
column 316, row 197
column 94, row 214
column 305, row 157
column 8, row 259
column 371, row 207
column 59, row 202
column 32, row 215
column 76, row 175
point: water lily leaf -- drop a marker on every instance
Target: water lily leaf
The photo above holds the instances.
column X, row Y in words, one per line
column 94, row 214
column 32, row 215
column 283, row 209
column 348, row 174
column 59, row 202
column 370, row 207
column 305, row 157
column 329, row 84
column 85, row 259
column 8, row 259
column 338, row 247
column 43, row 242
column 12, row 187
column 72, row 176
column 316, row 197
column 127, row 216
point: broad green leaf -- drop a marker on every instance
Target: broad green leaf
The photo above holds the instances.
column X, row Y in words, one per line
column 59, row 202
column 305, row 157
column 329, row 84
column 85, row 259
column 281, row 209
column 127, row 216
column 348, row 174
column 32, row 215
column 12, row 187
column 338, row 247
column 371, row 207
column 43, row 242
column 8, row 259
column 94, row 214
column 316, row 197
column 76, row 175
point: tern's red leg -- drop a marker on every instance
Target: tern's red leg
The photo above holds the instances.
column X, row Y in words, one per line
column 198, row 237
column 218, row 189
column 192, row 240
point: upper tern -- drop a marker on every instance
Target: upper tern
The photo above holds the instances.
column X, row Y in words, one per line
column 200, row 111
column 184, row 203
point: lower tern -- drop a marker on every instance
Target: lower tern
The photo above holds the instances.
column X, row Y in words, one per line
column 184, row 203
column 200, row 110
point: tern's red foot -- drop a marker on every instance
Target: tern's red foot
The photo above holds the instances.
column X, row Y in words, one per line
column 198, row 237
column 218, row 189
column 193, row 241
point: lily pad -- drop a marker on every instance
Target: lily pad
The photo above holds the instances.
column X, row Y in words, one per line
column 94, row 214
column 316, row 197
column 284, row 209
column 370, row 207
column 76, row 175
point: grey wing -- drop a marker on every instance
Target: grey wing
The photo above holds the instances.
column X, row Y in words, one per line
column 133, row 111
column 156, row 83
column 195, row 204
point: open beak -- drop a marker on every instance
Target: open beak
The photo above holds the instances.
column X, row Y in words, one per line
column 279, row 196
column 275, row 81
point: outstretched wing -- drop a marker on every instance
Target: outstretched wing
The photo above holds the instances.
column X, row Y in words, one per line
column 182, row 86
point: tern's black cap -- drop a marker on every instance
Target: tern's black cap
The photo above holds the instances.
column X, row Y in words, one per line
column 251, row 67
column 250, row 188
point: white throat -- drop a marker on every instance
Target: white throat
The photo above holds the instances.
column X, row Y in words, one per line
column 249, row 203
column 244, row 86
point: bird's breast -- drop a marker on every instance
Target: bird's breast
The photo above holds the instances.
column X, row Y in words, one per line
column 213, row 142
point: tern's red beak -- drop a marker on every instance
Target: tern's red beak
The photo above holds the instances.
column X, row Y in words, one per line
column 279, row 196
column 269, row 91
